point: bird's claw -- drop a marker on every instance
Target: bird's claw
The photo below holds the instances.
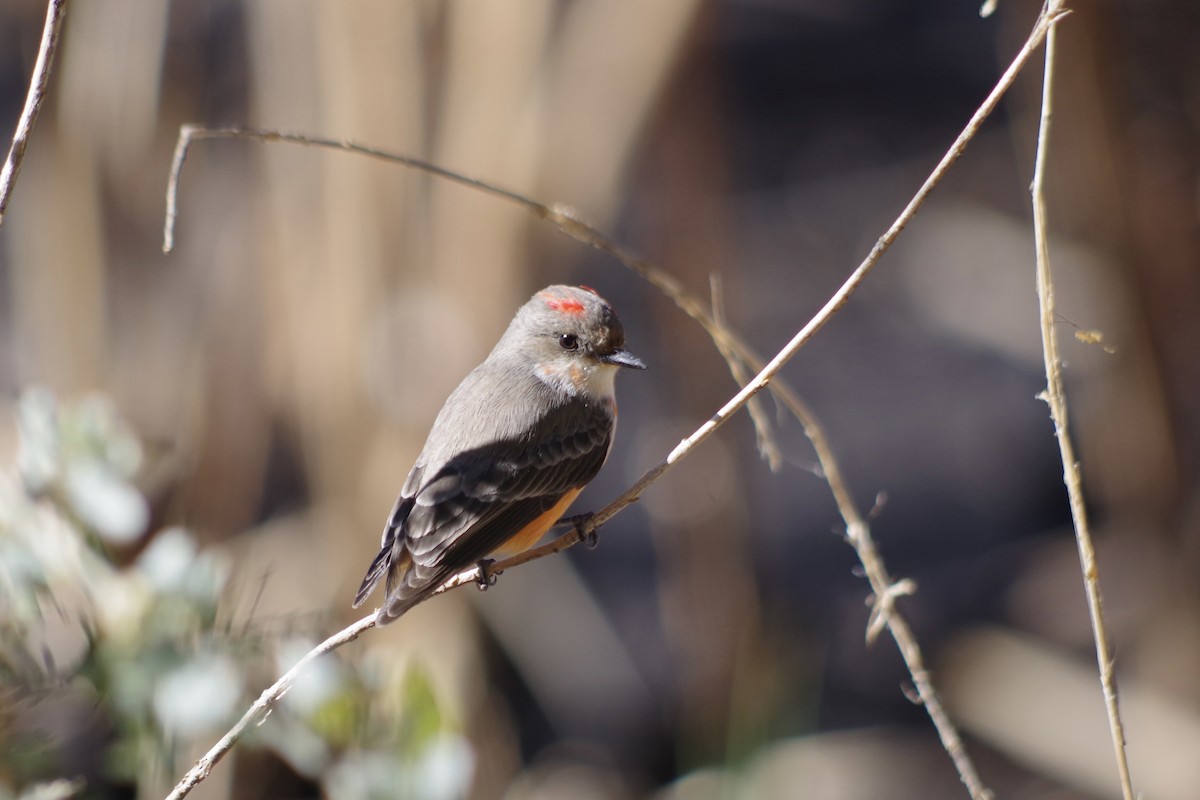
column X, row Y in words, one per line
column 582, row 525
column 486, row 578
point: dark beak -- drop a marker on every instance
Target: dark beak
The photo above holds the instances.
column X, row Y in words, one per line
column 623, row 358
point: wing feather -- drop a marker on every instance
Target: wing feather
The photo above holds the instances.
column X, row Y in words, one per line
column 468, row 507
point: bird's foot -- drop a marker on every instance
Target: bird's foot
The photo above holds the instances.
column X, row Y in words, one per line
column 486, row 578
column 582, row 523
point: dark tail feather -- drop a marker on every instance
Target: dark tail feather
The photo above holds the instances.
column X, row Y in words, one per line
column 381, row 566
column 384, row 563
column 395, row 600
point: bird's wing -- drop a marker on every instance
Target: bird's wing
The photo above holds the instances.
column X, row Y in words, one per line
column 481, row 498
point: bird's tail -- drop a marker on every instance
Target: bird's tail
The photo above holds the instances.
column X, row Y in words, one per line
column 391, row 565
column 380, row 567
column 393, row 556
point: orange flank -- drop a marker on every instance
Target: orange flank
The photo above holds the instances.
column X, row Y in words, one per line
column 528, row 536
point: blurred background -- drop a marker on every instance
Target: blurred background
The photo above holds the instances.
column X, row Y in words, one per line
column 224, row 429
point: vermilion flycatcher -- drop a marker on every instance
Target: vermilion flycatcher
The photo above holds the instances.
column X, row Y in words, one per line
column 514, row 444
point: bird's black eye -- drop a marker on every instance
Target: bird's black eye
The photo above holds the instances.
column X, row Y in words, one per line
column 568, row 341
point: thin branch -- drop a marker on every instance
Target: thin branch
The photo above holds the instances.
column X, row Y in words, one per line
column 262, row 706
column 740, row 369
column 190, row 133
column 1045, row 22
column 885, row 591
column 55, row 11
column 1055, row 397
column 884, row 588
column 563, row 217
column 567, row 220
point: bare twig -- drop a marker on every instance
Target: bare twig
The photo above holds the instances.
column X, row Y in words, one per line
column 191, row 133
column 1055, row 397
column 262, row 706
column 55, row 10
column 736, row 359
column 563, row 217
column 568, row 221
column 884, row 588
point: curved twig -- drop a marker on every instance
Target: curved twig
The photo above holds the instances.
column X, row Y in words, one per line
column 262, row 706
column 568, row 223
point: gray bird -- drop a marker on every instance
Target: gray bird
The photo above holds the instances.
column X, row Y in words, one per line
column 510, row 450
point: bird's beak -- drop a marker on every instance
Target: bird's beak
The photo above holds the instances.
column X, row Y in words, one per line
column 623, row 358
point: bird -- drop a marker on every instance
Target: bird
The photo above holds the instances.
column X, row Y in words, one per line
column 509, row 451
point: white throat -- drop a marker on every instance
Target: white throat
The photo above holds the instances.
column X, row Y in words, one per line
column 595, row 381
column 601, row 381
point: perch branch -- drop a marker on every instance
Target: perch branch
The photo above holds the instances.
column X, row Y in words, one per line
column 569, row 224
column 262, row 706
